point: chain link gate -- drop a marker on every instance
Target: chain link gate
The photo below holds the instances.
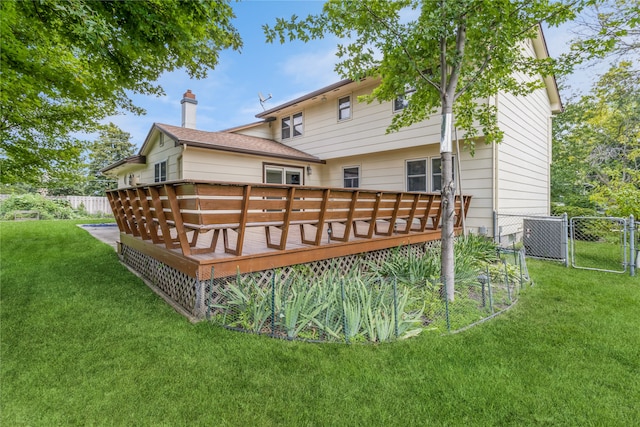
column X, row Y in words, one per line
column 600, row 243
column 609, row 244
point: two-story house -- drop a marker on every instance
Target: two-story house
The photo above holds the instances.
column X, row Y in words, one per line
column 327, row 138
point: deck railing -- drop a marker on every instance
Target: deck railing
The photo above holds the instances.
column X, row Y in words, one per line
column 190, row 208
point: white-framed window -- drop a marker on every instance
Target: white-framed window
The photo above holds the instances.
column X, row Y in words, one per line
column 416, row 175
column 351, row 176
column 401, row 102
column 286, row 127
column 344, row 108
column 297, row 124
column 277, row 174
column 292, row 126
column 160, row 171
column 436, row 173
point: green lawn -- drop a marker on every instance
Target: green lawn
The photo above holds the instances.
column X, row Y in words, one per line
column 600, row 255
column 84, row 342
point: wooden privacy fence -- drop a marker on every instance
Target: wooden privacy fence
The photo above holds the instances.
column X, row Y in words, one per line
column 191, row 208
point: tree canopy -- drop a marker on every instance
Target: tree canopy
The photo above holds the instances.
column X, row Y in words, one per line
column 596, row 157
column 607, row 29
column 449, row 54
column 470, row 46
column 597, row 146
column 67, row 65
column 112, row 145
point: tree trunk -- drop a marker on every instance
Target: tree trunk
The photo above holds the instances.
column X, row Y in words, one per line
column 447, row 264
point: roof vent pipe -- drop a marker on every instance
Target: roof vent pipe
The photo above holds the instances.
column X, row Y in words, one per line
column 189, row 104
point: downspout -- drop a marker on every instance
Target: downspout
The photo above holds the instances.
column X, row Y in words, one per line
column 181, row 161
column 494, row 187
column 550, row 157
column 459, row 176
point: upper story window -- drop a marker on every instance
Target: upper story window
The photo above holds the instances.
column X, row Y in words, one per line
column 416, row 175
column 297, row 124
column 401, row 102
column 436, row 173
column 160, row 171
column 351, row 177
column 292, row 126
column 344, row 108
column 286, row 127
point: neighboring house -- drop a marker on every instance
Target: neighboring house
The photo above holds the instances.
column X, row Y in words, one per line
column 327, row 138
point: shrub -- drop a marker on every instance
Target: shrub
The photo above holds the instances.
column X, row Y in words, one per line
column 48, row 209
column 572, row 211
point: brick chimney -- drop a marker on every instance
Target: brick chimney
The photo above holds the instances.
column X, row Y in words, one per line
column 189, row 104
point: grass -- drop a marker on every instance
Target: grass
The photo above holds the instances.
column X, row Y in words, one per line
column 84, row 342
column 600, row 255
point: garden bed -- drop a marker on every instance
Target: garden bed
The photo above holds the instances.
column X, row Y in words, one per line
column 395, row 298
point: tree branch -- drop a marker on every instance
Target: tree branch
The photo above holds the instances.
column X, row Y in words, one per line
column 461, row 39
column 402, row 44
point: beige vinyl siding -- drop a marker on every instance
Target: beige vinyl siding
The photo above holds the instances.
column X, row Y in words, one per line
column 386, row 171
column 168, row 152
column 326, row 137
column 379, row 171
column 210, row 165
column 123, row 174
column 261, row 131
column 477, row 180
column 524, row 156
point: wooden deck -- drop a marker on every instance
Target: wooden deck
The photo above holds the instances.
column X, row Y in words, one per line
column 193, row 226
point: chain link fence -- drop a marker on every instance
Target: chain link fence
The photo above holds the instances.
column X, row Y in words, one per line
column 542, row 237
column 364, row 305
column 600, row 243
column 607, row 244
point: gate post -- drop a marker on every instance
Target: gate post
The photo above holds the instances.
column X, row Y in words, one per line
column 634, row 257
column 565, row 238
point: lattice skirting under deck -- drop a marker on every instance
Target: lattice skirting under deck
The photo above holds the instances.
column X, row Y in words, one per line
column 189, row 292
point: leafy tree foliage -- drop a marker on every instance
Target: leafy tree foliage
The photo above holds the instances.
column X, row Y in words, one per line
column 597, row 146
column 68, row 64
column 608, row 28
column 46, row 208
column 112, row 145
column 452, row 53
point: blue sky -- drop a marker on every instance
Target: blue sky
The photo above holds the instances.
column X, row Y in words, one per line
column 228, row 97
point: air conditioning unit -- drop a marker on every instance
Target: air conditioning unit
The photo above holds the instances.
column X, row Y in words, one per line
column 545, row 238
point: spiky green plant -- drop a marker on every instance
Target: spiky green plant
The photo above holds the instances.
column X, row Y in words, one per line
column 411, row 268
column 296, row 305
column 478, row 248
column 244, row 304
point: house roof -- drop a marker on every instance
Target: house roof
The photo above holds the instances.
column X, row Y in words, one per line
column 132, row 160
column 542, row 51
column 540, row 47
column 234, row 142
column 311, row 95
column 246, row 126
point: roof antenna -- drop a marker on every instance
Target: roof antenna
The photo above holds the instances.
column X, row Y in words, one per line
column 263, row 99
